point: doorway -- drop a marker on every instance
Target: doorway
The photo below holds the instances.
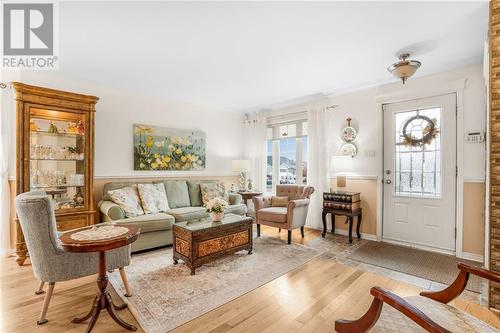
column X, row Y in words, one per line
column 420, row 168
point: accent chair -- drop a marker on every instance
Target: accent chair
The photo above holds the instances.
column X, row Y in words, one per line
column 289, row 217
column 49, row 261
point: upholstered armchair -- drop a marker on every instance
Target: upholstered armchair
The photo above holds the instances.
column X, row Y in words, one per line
column 289, row 217
column 49, row 261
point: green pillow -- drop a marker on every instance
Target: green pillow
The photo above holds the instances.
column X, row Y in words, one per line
column 177, row 193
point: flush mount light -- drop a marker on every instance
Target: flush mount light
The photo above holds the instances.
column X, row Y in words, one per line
column 404, row 68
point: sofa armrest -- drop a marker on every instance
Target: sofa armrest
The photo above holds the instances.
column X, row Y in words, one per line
column 261, row 202
column 111, row 211
column 235, row 198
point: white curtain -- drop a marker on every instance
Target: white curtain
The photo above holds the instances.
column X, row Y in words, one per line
column 255, row 148
column 317, row 162
column 6, row 151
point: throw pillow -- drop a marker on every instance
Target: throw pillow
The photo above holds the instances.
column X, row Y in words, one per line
column 279, row 201
column 153, row 198
column 128, row 199
column 210, row 191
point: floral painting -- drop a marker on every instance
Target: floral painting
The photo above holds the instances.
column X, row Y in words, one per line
column 159, row 148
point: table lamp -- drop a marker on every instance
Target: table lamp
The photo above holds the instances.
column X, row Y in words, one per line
column 340, row 166
column 243, row 167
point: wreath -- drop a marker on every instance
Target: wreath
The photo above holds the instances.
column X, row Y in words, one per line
column 429, row 132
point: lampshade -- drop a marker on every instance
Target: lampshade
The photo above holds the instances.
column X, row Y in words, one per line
column 340, row 164
column 241, row 165
column 405, row 68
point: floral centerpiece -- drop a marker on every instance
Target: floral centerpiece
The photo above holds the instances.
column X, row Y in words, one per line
column 216, row 207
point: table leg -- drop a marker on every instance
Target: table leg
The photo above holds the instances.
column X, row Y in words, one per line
column 358, row 226
column 323, row 217
column 350, row 229
column 103, row 300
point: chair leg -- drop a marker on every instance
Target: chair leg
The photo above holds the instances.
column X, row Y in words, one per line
column 279, row 230
column 46, row 303
column 40, row 288
column 128, row 293
column 258, row 230
column 302, row 231
column 289, row 236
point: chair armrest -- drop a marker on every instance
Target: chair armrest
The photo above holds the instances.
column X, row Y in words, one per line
column 382, row 296
column 111, row 210
column 457, row 287
column 261, row 202
column 235, row 198
column 297, row 203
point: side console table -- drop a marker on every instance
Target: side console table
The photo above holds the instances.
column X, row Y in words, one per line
column 346, row 204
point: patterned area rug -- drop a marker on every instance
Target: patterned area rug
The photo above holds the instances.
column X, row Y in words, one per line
column 428, row 265
column 166, row 295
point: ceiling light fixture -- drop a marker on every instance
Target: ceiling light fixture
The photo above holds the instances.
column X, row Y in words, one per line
column 404, row 68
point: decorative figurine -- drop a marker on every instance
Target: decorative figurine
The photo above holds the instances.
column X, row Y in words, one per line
column 33, row 127
column 81, row 128
column 78, row 198
column 53, row 128
column 72, row 128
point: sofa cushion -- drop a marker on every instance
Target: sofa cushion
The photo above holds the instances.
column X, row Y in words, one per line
column 211, row 191
column 128, row 199
column 279, row 201
column 115, row 186
column 177, row 193
column 188, row 213
column 195, row 191
column 273, row 214
column 153, row 198
column 239, row 209
column 150, row 222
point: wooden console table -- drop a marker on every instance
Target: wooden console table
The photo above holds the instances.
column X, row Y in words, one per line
column 350, row 218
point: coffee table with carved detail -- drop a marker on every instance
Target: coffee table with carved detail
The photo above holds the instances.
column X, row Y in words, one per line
column 199, row 241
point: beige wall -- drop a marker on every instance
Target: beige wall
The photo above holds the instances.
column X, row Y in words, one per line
column 473, row 208
column 473, row 228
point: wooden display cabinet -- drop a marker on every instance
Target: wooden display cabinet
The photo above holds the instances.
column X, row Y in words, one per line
column 55, row 153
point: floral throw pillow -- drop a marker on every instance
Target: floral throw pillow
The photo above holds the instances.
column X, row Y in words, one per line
column 128, row 199
column 153, row 198
column 210, row 191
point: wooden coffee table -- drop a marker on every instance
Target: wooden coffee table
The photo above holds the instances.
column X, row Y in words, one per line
column 103, row 299
column 199, row 241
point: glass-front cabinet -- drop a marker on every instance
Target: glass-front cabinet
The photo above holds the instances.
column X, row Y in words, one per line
column 55, row 153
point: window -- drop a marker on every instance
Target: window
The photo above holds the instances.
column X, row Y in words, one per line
column 286, row 154
column 418, row 153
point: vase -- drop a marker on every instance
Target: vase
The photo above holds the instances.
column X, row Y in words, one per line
column 217, row 217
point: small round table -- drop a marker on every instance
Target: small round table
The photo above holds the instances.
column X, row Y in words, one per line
column 103, row 298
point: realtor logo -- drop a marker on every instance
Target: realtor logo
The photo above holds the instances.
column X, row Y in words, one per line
column 28, row 36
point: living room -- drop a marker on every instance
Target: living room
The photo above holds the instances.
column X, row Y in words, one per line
column 249, row 166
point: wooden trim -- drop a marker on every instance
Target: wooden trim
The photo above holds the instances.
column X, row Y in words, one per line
column 382, row 296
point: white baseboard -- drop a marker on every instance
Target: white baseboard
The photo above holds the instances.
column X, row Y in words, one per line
column 472, row 256
column 418, row 246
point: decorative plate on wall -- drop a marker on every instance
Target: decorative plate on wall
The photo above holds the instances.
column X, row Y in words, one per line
column 349, row 149
column 348, row 133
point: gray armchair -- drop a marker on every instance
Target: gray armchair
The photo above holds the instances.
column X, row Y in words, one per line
column 290, row 217
column 49, row 261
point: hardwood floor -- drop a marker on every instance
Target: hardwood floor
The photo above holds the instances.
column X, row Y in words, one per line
column 307, row 299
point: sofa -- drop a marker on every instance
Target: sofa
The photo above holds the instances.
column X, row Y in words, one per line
column 185, row 203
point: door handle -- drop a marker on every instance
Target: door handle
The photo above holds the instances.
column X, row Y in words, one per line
column 388, row 181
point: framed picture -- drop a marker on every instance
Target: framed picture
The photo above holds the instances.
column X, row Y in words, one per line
column 160, row 148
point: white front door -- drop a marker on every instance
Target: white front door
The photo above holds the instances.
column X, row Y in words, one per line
column 420, row 172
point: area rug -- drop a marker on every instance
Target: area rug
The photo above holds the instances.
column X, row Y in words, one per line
column 428, row 265
column 167, row 296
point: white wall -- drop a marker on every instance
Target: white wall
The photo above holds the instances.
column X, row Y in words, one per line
column 117, row 111
column 362, row 106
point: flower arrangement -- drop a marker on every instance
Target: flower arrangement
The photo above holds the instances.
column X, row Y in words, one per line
column 429, row 132
column 161, row 152
column 216, row 207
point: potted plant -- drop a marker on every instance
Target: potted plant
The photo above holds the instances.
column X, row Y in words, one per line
column 216, row 207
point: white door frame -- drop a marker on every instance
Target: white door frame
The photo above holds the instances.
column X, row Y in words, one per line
column 406, row 93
